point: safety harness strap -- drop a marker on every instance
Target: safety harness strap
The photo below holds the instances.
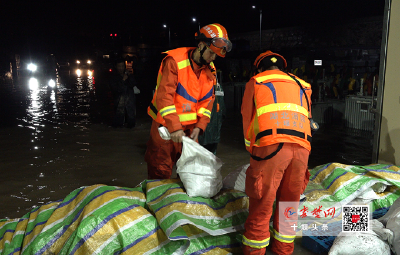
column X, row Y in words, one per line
column 284, row 131
column 270, row 155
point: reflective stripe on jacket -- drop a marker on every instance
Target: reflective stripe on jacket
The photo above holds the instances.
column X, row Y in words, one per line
column 192, row 94
column 281, row 112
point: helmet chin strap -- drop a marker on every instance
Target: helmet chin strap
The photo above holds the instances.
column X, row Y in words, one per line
column 202, row 60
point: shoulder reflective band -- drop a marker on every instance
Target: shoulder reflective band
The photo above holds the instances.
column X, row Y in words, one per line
column 184, row 63
column 254, row 243
column 167, row 110
column 283, row 238
column 246, row 142
column 187, row 117
column 279, row 77
column 205, row 112
column 282, row 107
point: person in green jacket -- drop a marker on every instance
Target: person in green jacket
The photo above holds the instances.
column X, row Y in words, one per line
column 212, row 135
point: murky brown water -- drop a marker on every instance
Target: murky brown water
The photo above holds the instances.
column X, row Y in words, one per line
column 56, row 140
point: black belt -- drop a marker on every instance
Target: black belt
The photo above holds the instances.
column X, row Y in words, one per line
column 285, row 132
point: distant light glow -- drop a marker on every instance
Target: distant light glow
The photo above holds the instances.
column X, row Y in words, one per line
column 111, row 35
column 254, row 6
column 110, row 70
column 52, row 83
column 32, row 67
column 194, row 19
column 78, row 62
column 164, row 25
column 89, row 62
column 115, row 35
column 89, row 73
column 78, row 72
column 33, row 83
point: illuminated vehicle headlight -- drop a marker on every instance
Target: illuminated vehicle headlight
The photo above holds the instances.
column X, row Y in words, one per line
column 78, row 72
column 32, row 67
column 52, row 83
column 89, row 73
column 33, row 84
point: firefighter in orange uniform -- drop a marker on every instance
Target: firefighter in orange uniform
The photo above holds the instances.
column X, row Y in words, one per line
column 276, row 114
column 184, row 97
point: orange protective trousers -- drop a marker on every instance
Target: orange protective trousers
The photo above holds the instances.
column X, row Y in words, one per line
column 283, row 177
column 161, row 155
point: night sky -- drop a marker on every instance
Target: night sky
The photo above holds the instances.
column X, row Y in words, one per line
column 68, row 26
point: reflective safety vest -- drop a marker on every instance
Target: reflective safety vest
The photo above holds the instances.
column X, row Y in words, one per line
column 281, row 111
column 192, row 94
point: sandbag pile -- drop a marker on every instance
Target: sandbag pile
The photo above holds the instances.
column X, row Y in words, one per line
column 377, row 185
column 156, row 217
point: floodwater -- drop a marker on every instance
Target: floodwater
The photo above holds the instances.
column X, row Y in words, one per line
column 56, row 140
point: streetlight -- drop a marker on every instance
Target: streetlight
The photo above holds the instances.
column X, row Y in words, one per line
column 254, row 7
column 89, row 62
column 194, row 20
column 169, row 35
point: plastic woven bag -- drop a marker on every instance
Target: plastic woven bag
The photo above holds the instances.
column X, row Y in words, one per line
column 392, row 221
column 236, row 179
column 373, row 242
column 199, row 170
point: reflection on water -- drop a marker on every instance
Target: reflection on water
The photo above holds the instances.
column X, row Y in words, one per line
column 45, row 140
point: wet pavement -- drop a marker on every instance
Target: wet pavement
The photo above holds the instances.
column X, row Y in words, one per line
column 56, row 140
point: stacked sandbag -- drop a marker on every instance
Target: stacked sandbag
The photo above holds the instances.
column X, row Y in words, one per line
column 361, row 243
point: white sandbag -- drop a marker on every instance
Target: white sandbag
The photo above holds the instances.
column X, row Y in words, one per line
column 394, row 225
column 379, row 187
column 392, row 221
column 373, row 242
column 366, row 196
column 236, row 179
column 199, row 170
column 394, row 210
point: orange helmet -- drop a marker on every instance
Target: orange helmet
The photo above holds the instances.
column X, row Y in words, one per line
column 216, row 37
column 280, row 62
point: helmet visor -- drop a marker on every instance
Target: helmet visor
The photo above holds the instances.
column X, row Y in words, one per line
column 222, row 43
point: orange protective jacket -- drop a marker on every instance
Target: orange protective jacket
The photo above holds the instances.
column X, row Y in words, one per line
column 275, row 110
column 190, row 99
